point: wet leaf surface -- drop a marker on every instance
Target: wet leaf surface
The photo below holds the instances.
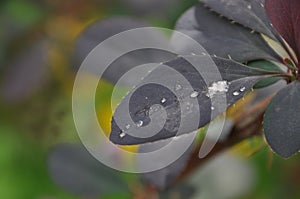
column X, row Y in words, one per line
column 180, row 107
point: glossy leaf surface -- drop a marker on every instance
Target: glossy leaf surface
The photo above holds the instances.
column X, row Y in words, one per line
column 180, row 106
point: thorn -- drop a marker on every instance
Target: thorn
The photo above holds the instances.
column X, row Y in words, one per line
column 232, row 22
column 252, row 31
column 229, row 56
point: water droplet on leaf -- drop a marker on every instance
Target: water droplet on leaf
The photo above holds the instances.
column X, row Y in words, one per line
column 194, row 94
column 242, row 89
column 139, row 123
column 217, row 87
column 236, row 93
column 127, row 126
column 163, row 100
column 178, row 87
column 122, row 135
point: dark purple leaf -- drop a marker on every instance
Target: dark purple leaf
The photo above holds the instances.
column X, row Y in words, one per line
column 26, row 74
column 285, row 17
column 221, row 37
column 74, row 169
column 238, row 80
column 101, row 30
column 152, row 8
column 250, row 13
column 282, row 121
column 165, row 177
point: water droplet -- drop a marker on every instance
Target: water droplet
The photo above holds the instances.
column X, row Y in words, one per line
column 163, row 100
column 178, row 87
column 139, row 123
column 217, row 87
column 127, row 126
column 194, row 94
column 249, row 7
column 122, row 135
column 242, row 89
column 176, row 138
column 236, row 93
column 212, row 108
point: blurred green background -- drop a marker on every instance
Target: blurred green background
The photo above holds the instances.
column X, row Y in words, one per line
column 36, row 85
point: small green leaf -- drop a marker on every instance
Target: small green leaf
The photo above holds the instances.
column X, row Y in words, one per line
column 282, row 121
column 265, row 65
column 267, row 82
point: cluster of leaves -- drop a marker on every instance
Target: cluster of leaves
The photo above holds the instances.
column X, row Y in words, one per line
column 239, row 37
column 234, row 33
